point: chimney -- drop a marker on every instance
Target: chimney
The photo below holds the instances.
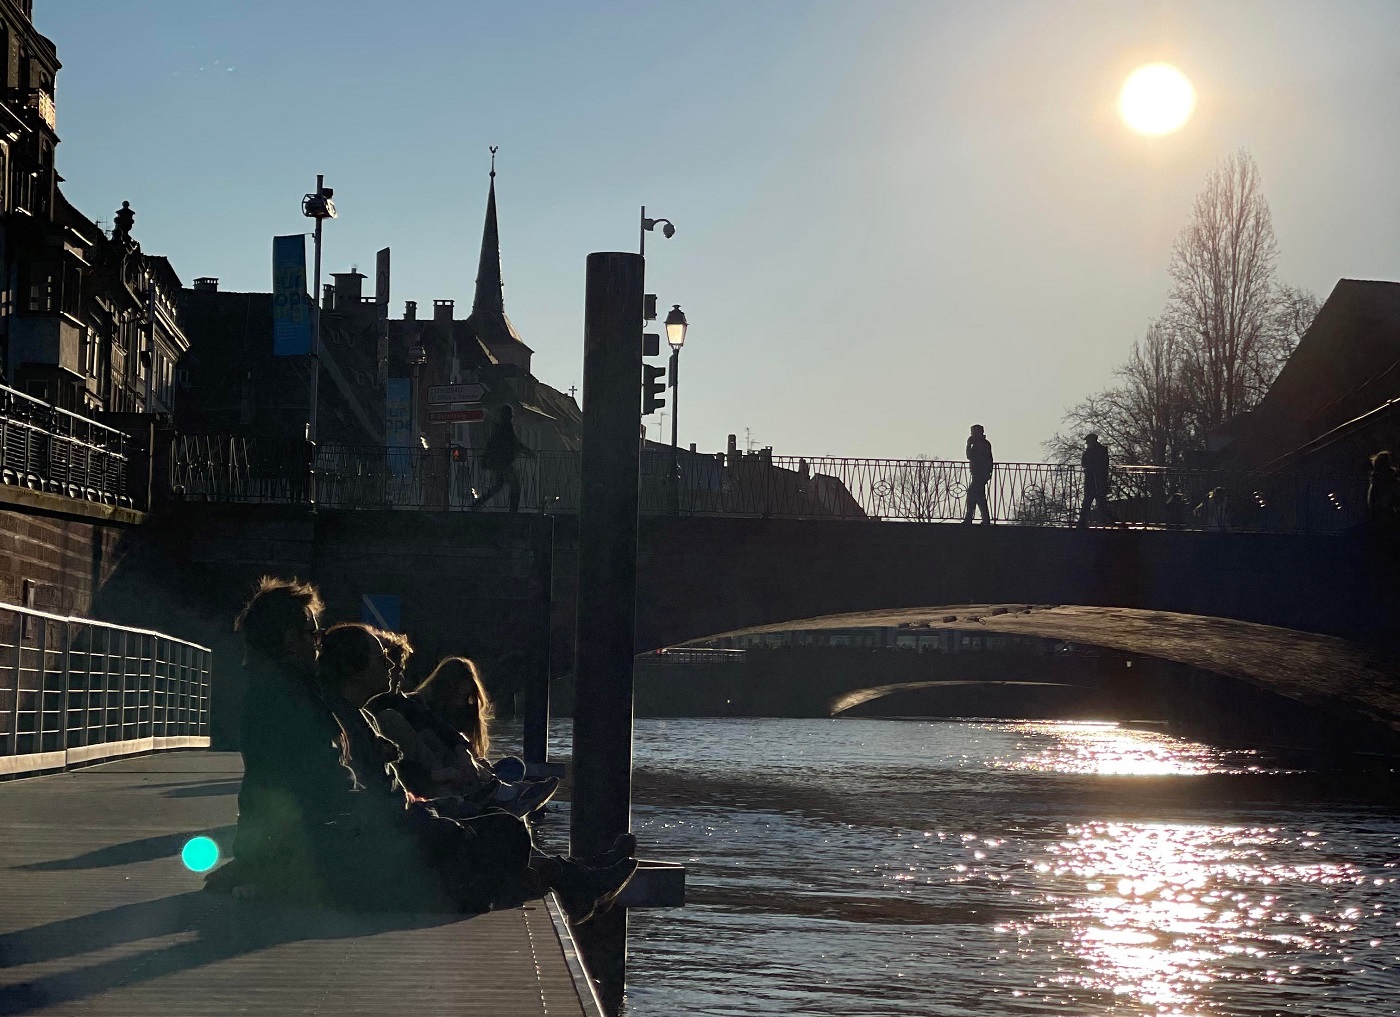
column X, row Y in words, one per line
column 442, row 310
column 349, row 288
column 410, row 310
column 207, row 284
column 327, row 297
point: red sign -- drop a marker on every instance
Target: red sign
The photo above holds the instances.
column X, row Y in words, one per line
column 455, row 416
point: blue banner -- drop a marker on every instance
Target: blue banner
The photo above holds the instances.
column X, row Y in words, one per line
column 291, row 311
column 398, row 423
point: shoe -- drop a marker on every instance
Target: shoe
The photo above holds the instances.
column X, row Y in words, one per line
column 586, row 892
column 624, row 847
column 529, row 797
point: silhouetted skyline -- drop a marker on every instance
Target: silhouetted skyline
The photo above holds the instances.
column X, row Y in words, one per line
column 894, row 219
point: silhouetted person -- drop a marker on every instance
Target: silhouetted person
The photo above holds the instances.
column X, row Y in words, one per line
column 1095, row 463
column 980, row 463
column 503, row 450
column 1383, row 492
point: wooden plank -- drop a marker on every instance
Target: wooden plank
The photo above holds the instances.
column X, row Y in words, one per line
column 98, row 917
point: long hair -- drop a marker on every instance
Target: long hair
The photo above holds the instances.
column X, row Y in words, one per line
column 346, row 650
column 398, row 649
column 440, row 692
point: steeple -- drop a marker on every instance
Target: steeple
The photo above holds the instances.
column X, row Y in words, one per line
column 488, row 320
column 489, row 298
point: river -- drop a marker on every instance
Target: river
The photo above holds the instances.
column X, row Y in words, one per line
column 908, row 867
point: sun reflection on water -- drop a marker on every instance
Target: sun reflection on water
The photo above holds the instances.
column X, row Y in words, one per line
column 1112, row 751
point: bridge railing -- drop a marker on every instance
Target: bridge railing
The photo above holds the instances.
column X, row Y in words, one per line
column 762, row 485
column 44, row 448
column 74, row 690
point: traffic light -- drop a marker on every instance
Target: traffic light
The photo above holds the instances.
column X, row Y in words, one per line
column 653, row 384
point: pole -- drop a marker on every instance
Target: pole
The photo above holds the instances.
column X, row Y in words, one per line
column 642, row 235
column 315, row 325
column 675, row 478
column 607, row 589
column 537, row 682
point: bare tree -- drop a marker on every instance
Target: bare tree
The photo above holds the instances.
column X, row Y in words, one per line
column 1223, row 299
column 1145, row 418
column 1226, row 332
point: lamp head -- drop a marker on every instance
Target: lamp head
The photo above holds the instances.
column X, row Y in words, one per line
column 676, row 326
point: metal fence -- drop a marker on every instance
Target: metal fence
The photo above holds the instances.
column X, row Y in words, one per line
column 74, row 690
column 767, row 486
column 44, row 448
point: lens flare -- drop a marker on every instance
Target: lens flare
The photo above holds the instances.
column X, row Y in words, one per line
column 1156, row 99
column 200, row 854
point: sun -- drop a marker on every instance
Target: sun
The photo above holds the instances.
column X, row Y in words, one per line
column 1156, row 99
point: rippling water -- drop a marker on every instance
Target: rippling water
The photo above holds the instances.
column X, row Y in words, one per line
column 933, row 868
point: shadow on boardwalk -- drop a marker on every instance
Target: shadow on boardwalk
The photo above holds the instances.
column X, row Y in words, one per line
column 221, row 926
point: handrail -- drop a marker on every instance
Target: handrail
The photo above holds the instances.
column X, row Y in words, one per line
column 74, row 690
column 46, row 448
column 760, row 485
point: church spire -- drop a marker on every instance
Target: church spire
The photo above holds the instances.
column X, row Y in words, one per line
column 489, row 298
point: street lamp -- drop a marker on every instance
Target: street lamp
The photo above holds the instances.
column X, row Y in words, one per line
column 417, row 356
column 675, row 335
column 318, row 206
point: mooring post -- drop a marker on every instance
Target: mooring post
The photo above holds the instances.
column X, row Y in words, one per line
column 601, row 802
column 537, row 682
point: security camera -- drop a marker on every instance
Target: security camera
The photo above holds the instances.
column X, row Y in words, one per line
column 668, row 231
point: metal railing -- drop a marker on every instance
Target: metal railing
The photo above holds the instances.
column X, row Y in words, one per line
column 74, row 690
column 767, row 486
column 44, row 448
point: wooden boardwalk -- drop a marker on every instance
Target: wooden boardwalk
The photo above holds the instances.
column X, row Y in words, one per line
column 99, row 917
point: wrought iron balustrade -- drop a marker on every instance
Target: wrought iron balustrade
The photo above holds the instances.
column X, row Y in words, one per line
column 766, row 486
column 44, row 448
column 73, row 689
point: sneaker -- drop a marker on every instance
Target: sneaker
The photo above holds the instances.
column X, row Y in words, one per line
column 529, row 797
column 624, row 847
column 585, row 892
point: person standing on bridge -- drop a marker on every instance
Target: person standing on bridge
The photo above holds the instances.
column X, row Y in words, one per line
column 503, row 450
column 1095, row 463
column 980, row 463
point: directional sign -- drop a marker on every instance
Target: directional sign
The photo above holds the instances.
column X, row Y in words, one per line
column 455, row 416
column 441, row 395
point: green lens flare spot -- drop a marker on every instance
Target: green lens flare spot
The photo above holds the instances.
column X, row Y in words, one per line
column 200, row 854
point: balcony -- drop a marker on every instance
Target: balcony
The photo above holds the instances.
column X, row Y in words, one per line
column 42, row 104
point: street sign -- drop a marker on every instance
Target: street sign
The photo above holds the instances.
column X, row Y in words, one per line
column 468, row 392
column 461, row 416
column 381, row 610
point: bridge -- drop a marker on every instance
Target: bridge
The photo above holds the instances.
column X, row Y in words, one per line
column 727, row 543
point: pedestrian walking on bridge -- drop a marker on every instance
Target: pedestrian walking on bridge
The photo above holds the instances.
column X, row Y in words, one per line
column 980, row 463
column 503, row 449
column 1095, row 463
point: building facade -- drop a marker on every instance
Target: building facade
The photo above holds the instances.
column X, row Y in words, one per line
column 88, row 321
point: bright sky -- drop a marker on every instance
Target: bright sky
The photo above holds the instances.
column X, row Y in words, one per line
column 894, row 219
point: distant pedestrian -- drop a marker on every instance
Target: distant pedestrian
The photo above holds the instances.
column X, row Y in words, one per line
column 1095, row 463
column 502, row 452
column 980, row 464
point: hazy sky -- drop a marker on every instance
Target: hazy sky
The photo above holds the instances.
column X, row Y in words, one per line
column 894, row 219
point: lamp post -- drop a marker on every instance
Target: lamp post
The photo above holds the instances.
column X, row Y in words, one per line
column 675, row 335
column 318, row 206
column 417, row 356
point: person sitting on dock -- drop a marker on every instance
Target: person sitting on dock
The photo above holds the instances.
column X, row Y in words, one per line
column 310, row 829
column 354, row 664
column 431, row 759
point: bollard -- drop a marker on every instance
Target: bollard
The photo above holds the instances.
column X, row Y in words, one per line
column 601, row 799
